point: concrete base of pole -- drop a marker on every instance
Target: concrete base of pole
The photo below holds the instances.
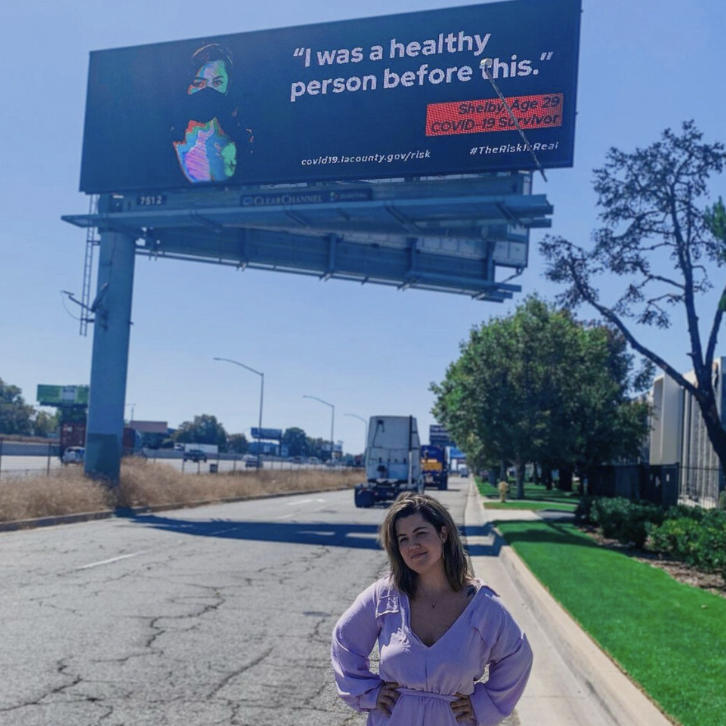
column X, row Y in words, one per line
column 103, row 457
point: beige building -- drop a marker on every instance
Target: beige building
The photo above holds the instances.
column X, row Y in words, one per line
column 678, row 436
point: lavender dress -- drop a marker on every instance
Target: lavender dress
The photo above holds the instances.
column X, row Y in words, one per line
column 484, row 633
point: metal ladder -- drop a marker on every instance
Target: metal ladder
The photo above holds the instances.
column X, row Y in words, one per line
column 91, row 242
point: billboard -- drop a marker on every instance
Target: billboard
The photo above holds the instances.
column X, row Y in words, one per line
column 439, row 436
column 398, row 95
column 48, row 395
column 274, row 434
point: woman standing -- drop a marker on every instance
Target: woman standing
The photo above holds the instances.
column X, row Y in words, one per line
column 438, row 629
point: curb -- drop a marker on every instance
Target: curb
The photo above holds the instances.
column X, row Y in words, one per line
column 52, row 521
column 124, row 512
column 603, row 678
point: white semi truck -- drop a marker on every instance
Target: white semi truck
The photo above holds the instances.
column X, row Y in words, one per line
column 392, row 460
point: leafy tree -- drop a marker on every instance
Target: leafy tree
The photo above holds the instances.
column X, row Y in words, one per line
column 716, row 220
column 319, row 448
column 609, row 425
column 16, row 417
column 153, row 440
column 539, row 386
column 296, row 441
column 44, row 424
column 237, row 443
column 204, row 429
column 664, row 245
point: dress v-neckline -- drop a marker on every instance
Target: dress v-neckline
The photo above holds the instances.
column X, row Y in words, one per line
column 409, row 624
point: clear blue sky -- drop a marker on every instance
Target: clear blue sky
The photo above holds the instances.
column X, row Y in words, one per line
column 644, row 65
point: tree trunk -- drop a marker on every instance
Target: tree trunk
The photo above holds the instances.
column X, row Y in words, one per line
column 565, row 482
column 520, row 479
column 537, row 474
column 714, row 428
column 547, row 477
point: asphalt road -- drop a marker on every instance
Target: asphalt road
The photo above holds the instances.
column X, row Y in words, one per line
column 215, row 615
column 24, row 465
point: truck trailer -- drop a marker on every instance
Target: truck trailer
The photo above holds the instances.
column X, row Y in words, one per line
column 392, row 461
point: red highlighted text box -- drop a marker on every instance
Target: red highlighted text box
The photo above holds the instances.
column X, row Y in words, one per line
column 490, row 114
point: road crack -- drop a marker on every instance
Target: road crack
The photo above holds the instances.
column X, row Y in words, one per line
column 239, row 671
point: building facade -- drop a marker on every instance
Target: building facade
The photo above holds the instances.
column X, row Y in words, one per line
column 678, row 436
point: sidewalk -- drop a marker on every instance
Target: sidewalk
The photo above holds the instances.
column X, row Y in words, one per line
column 573, row 683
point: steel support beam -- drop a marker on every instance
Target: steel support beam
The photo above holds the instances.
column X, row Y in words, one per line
column 109, row 364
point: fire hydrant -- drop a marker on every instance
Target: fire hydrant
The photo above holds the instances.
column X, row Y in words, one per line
column 503, row 487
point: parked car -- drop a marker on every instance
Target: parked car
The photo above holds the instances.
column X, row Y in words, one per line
column 250, row 461
column 195, row 455
column 463, row 471
column 73, row 455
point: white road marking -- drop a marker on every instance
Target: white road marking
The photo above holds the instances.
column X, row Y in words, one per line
column 299, row 501
column 285, row 516
column 322, row 501
column 109, row 561
column 221, row 531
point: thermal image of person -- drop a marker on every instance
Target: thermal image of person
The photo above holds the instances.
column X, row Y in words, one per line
column 213, row 132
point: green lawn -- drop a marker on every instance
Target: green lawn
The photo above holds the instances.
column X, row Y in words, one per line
column 535, row 497
column 669, row 637
column 530, row 504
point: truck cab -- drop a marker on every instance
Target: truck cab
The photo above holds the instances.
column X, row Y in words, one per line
column 434, row 466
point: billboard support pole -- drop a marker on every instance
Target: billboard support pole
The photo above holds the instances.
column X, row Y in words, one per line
column 109, row 362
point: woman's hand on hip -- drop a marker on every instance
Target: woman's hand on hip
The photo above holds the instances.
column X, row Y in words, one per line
column 462, row 708
column 387, row 697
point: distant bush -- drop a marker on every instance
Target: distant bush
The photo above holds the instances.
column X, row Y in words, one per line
column 685, row 510
column 699, row 543
column 625, row 520
column 692, row 534
column 675, row 536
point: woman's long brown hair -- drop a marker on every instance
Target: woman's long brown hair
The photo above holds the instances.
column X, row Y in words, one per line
column 456, row 566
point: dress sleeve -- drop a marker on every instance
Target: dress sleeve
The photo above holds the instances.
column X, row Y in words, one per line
column 354, row 636
column 509, row 666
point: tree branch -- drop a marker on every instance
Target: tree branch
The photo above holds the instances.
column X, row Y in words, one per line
column 669, row 296
column 608, row 314
column 667, row 281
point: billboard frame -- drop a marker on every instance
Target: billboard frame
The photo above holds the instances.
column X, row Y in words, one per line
column 440, row 234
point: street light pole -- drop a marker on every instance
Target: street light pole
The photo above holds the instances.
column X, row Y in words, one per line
column 365, row 423
column 332, row 422
column 262, row 394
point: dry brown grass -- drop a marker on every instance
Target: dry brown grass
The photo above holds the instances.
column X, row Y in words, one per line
column 152, row 484
column 145, row 483
column 65, row 491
